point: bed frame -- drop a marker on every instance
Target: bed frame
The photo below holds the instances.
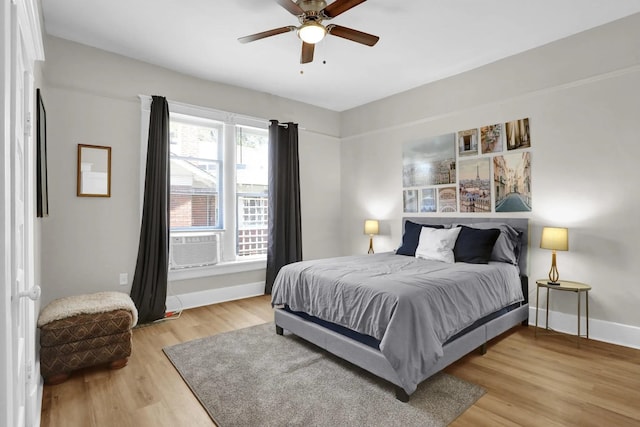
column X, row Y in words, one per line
column 373, row 360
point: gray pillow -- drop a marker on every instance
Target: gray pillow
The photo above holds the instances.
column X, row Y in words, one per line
column 507, row 247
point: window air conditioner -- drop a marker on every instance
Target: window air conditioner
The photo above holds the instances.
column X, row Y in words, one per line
column 195, row 250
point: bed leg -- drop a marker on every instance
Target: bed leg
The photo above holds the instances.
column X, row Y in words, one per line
column 279, row 330
column 401, row 395
column 525, row 322
column 483, row 349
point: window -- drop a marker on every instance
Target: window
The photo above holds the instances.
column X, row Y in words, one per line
column 218, row 188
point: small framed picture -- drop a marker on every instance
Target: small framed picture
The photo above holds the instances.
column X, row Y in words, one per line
column 410, row 201
column 491, row 138
column 468, row 142
column 428, row 202
column 447, row 199
column 517, row 134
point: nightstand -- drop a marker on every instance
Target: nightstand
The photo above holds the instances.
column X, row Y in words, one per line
column 565, row 286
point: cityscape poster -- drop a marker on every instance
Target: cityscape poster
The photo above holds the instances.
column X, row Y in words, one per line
column 429, row 161
column 475, row 185
column 512, row 182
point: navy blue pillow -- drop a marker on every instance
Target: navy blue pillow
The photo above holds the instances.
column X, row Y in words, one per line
column 475, row 245
column 411, row 237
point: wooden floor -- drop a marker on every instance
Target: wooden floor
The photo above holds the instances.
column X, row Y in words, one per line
column 530, row 382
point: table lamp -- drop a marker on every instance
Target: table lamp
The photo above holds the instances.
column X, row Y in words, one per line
column 371, row 228
column 556, row 239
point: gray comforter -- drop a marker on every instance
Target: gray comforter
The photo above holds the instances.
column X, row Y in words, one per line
column 411, row 305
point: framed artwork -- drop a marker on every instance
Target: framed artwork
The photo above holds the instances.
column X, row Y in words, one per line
column 491, row 138
column 410, row 201
column 468, row 142
column 512, row 182
column 94, row 171
column 42, row 185
column 428, row 200
column 517, row 134
column 447, row 199
column 474, row 181
column 484, row 170
column 431, row 161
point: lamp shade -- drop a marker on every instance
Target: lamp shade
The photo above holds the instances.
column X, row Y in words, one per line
column 371, row 226
column 556, row 238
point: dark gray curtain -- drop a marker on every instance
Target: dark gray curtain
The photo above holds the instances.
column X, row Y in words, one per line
column 285, row 229
column 149, row 288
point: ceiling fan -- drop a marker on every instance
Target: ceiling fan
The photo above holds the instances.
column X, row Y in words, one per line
column 311, row 13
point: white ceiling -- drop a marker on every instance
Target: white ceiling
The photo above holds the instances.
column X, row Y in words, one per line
column 420, row 40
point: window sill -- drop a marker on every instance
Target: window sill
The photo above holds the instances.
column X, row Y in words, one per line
column 218, row 269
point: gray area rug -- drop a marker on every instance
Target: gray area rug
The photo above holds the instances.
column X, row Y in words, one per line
column 253, row 377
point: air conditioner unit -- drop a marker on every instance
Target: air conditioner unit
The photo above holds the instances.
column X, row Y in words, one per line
column 196, row 250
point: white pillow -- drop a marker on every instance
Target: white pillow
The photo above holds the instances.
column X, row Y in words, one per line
column 437, row 244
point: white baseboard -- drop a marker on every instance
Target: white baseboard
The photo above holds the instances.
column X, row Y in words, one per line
column 599, row 330
column 213, row 296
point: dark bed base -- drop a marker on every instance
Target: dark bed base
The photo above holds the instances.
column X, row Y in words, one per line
column 374, row 343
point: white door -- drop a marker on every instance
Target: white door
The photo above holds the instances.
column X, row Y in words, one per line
column 22, row 306
column 19, row 375
column 18, row 241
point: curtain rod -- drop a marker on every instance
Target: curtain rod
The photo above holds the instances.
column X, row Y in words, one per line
column 147, row 99
column 286, row 125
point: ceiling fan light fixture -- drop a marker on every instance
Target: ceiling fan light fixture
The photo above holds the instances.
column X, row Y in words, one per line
column 311, row 32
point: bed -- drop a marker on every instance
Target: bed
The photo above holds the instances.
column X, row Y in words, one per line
column 405, row 318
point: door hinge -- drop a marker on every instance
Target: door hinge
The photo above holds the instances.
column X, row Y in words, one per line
column 27, row 125
column 29, row 372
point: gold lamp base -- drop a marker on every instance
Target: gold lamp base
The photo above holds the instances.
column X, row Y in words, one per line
column 554, row 276
column 370, row 245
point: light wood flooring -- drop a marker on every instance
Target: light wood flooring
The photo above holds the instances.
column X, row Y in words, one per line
column 531, row 382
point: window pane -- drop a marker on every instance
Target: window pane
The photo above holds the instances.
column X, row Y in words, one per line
column 195, row 176
column 251, row 190
column 194, row 195
column 194, row 139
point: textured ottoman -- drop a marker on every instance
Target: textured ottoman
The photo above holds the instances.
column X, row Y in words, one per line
column 85, row 330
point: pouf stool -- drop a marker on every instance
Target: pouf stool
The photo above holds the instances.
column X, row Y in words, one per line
column 85, row 330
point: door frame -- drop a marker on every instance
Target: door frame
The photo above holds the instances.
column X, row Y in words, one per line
column 20, row 29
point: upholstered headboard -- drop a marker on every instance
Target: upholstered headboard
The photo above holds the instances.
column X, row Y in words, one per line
column 520, row 224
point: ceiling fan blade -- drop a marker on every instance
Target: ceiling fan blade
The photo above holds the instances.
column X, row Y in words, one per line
column 307, row 53
column 353, row 35
column 340, row 6
column 292, row 7
column 274, row 32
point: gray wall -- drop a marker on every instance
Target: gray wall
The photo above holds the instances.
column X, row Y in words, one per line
column 92, row 98
column 582, row 95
